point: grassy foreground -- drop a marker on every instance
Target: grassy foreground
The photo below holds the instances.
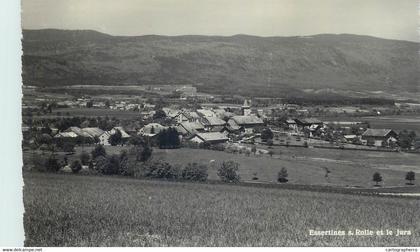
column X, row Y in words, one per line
column 72, row 210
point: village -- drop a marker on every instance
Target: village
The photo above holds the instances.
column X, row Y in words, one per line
column 201, row 122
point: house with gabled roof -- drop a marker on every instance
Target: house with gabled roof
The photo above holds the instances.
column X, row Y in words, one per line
column 209, row 137
column 246, row 121
column 210, row 122
column 151, row 129
column 104, row 138
column 189, row 128
column 377, row 137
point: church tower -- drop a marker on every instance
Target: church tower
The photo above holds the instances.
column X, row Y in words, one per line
column 246, row 108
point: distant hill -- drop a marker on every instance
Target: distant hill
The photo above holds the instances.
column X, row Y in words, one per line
column 236, row 64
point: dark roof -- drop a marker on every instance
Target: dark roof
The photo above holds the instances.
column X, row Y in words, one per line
column 213, row 121
column 245, row 120
column 212, row 136
column 378, row 132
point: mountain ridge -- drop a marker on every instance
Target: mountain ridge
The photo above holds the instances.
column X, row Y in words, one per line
column 239, row 63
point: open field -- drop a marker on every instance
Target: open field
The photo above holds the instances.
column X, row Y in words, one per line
column 72, row 210
column 304, row 165
column 91, row 112
column 307, row 166
column 397, row 122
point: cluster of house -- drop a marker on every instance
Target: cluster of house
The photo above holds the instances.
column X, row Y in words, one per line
column 217, row 125
column 92, row 134
column 316, row 128
column 206, row 125
column 202, row 125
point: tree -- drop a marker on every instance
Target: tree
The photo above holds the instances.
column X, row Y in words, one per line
column 228, row 171
column 282, row 175
column 159, row 169
column 168, row 138
column 247, row 152
column 102, row 163
column 113, row 165
column 136, row 140
column 68, row 147
column 116, row 138
column 52, row 164
column 255, row 176
column 159, row 114
column 266, row 134
column 98, row 151
column 410, row 176
column 270, row 152
column 377, row 178
column 195, row 172
column 124, row 163
column 141, row 149
column 406, row 139
column 254, row 149
column 89, row 104
column 76, row 166
column 84, row 158
column 145, row 154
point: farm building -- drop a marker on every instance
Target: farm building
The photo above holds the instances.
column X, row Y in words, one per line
column 151, row 129
column 211, row 122
column 308, row 122
column 104, row 138
column 94, row 132
column 245, row 121
column 291, row 124
column 189, row 128
column 377, row 136
column 66, row 135
column 206, row 113
column 209, row 137
column 79, row 132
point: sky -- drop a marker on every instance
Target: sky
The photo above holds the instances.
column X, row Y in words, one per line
column 394, row 19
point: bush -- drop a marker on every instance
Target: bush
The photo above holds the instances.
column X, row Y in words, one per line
column 195, row 172
column 38, row 163
column 159, row 169
column 113, row 165
column 282, row 175
column 102, row 164
column 116, row 138
column 218, row 147
column 228, row 171
column 68, row 147
column 52, row 164
column 84, row 158
column 377, row 178
column 410, row 176
column 98, row 151
column 76, row 166
column 142, row 152
column 131, row 167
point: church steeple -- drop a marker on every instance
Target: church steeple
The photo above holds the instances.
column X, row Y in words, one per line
column 246, row 107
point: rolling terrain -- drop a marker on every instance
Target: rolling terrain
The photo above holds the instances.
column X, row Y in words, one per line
column 266, row 66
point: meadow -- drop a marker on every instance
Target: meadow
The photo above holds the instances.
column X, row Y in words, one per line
column 90, row 112
column 395, row 122
column 75, row 210
column 304, row 165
